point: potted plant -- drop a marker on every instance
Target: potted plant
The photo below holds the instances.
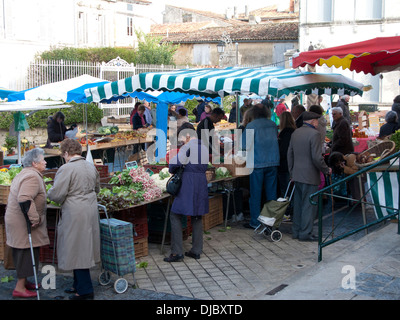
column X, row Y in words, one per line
column 10, row 143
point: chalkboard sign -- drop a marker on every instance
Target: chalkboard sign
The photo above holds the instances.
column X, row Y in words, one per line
column 130, row 165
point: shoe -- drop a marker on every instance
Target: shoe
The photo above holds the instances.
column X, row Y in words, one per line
column 88, row 296
column 69, row 291
column 25, row 294
column 31, row 286
column 287, row 219
column 192, row 255
column 248, row 226
column 310, row 238
column 174, row 258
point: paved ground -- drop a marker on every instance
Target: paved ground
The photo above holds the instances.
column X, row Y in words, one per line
column 238, row 264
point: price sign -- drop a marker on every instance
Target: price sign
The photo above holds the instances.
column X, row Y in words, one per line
column 130, row 165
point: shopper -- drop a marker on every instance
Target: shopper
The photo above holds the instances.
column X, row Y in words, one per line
column 28, row 185
column 205, row 128
column 206, row 113
column 192, row 199
column 56, row 128
column 391, row 125
column 263, row 154
column 305, row 163
column 341, row 139
column 78, row 235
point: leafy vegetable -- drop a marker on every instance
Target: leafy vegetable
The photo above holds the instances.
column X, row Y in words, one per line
column 222, row 172
column 395, row 137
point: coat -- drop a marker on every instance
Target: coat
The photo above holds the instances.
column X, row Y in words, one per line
column 305, row 159
column 341, row 139
column 192, row 199
column 27, row 185
column 284, row 140
column 78, row 236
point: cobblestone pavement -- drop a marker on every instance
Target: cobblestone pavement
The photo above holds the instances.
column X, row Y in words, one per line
column 238, row 264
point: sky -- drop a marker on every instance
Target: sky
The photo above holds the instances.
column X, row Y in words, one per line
column 220, row 6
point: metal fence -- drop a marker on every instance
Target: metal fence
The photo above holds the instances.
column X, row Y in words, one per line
column 42, row 72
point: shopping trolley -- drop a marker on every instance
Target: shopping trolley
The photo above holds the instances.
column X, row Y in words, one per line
column 272, row 214
column 117, row 251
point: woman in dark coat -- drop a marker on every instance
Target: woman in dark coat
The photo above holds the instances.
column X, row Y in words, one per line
column 192, row 199
column 391, row 125
column 287, row 126
column 56, row 128
column 396, row 107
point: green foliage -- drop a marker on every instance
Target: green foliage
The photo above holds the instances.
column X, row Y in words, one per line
column 88, row 54
column 75, row 114
column 395, row 137
column 151, row 51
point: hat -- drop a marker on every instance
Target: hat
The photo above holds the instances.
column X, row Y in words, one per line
column 307, row 115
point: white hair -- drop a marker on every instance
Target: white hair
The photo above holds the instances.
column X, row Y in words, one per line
column 33, row 155
column 338, row 109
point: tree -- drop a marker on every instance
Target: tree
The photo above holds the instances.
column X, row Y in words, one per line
column 152, row 51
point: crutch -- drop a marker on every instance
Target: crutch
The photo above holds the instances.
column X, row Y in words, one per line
column 25, row 209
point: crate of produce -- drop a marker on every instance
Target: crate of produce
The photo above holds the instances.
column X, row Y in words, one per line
column 4, row 192
column 122, row 260
column 50, row 173
column 103, row 170
column 53, row 151
column 141, row 248
column 215, row 216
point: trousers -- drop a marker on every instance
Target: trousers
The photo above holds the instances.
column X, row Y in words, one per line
column 82, row 281
column 177, row 238
column 304, row 212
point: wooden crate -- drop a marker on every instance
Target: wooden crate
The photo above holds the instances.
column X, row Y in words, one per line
column 4, row 192
column 215, row 216
column 2, row 241
column 141, row 248
column 54, row 151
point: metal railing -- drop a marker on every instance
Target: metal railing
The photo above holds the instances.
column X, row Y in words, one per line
column 327, row 191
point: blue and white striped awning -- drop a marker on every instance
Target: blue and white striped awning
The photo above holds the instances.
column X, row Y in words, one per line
column 213, row 82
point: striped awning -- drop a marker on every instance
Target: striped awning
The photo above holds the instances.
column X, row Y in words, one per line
column 212, row 82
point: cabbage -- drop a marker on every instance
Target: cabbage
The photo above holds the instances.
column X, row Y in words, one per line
column 222, row 172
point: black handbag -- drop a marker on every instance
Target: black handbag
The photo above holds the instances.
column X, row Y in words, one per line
column 175, row 182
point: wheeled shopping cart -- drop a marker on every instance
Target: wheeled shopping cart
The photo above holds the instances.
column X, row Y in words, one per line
column 272, row 214
column 117, row 251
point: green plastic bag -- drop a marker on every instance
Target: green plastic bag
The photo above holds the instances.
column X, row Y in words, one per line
column 20, row 123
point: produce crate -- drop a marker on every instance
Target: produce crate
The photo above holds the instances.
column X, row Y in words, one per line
column 103, row 170
column 50, row 173
column 215, row 216
column 46, row 252
column 141, row 248
column 122, row 261
column 54, row 151
column 236, row 170
column 4, row 192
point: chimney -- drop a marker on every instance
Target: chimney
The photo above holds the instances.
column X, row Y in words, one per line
column 235, row 12
column 291, row 6
column 246, row 11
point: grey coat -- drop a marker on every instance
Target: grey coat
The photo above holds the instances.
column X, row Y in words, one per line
column 305, row 159
column 78, row 235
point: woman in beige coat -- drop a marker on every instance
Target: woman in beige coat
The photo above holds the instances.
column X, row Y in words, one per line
column 28, row 185
column 78, row 235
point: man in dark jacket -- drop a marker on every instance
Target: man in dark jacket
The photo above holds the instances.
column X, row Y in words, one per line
column 56, row 128
column 305, row 163
column 396, row 107
column 344, row 104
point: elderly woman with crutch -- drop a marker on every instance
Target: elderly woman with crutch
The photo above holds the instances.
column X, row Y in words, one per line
column 27, row 193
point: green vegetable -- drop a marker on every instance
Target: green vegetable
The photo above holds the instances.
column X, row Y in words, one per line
column 222, row 172
column 395, row 137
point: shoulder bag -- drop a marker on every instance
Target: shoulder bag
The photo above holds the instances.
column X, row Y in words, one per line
column 175, row 182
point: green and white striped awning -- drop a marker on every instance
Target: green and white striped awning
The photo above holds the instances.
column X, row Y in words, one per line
column 213, row 82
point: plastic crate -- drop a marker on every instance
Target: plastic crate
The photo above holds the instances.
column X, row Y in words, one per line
column 46, row 252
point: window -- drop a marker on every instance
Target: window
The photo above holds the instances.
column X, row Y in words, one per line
column 82, row 28
column 319, row 11
column 368, row 9
column 129, row 24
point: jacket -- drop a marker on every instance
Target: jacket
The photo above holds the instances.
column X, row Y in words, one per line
column 341, row 139
column 262, row 149
column 284, row 141
column 305, row 161
column 396, row 108
column 55, row 131
column 78, row 235
column 192, row 199
column 27, row 185
column 137, row 121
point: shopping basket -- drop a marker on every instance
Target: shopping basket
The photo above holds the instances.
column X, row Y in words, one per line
column 117, row 251
column 272, row 214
